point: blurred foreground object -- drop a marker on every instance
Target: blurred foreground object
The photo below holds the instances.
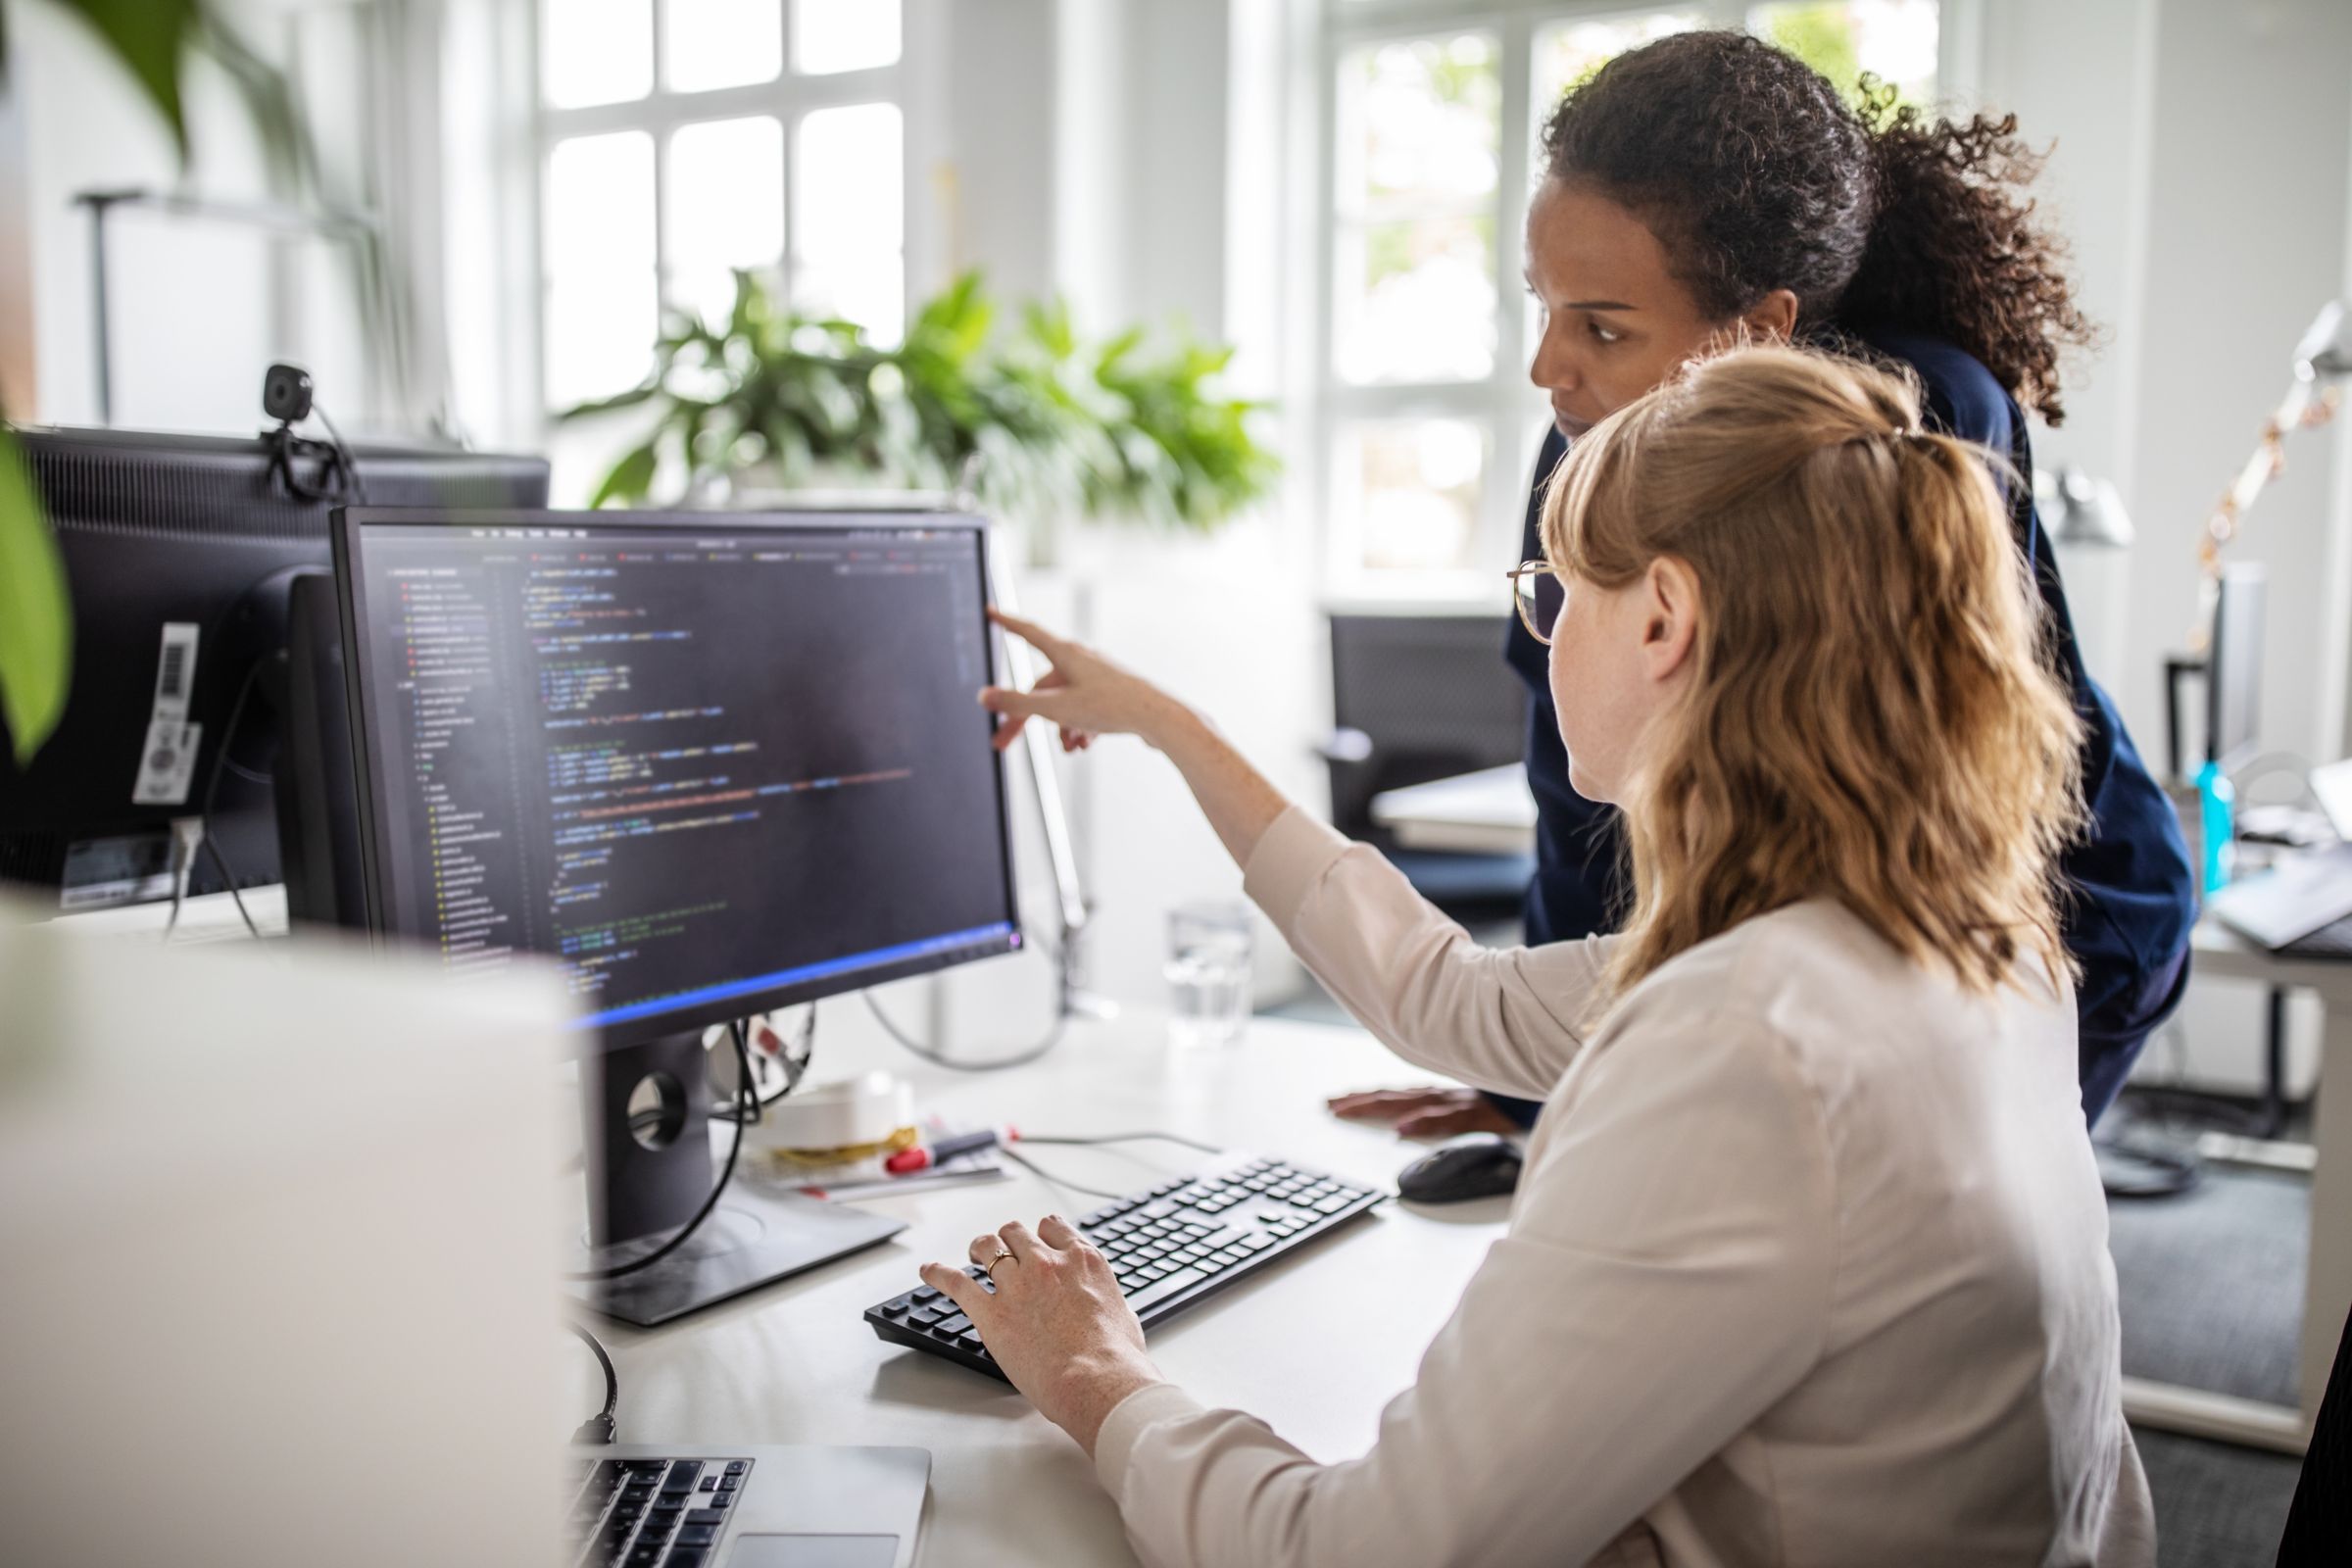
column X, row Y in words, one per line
column 276, row 1232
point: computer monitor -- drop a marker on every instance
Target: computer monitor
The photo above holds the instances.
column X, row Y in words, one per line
column 2233, row 668
column 181, row 556
column 714, row 764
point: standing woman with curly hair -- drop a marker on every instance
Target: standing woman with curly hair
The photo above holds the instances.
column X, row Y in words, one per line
column 1708, row 187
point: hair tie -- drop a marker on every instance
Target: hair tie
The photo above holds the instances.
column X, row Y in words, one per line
column 1913, row 437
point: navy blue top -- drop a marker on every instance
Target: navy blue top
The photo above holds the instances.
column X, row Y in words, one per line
column 2128, row 925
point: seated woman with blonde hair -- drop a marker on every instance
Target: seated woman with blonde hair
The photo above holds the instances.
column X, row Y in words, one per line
column 1810, row 1261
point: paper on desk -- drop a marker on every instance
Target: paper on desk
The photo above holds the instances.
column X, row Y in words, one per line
column 865, row 1177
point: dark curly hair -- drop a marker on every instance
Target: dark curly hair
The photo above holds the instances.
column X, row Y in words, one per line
column 1757, row 175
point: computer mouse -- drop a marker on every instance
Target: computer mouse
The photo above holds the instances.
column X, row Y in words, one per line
column 1473, row 1165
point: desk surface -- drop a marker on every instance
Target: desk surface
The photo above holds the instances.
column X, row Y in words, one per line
column 1491, row 812
column 1317, row 1344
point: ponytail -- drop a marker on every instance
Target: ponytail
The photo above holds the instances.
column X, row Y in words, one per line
column 1955, row 252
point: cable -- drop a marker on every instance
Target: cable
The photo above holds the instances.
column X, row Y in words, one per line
column 350, row 467
column 1019, row 1058
column 795, row 1067
column 597, row 1428
column 1034, row 1170
column 211, row 847
column 285, row 446
column 744, row 1089
column 1131, row 1138
column 1047, row 1177
column 205, row 841
column 188, row 837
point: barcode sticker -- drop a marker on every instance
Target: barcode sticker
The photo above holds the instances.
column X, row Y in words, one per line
column 168, row 761
column 175, row 670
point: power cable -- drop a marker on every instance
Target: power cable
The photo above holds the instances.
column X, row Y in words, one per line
column 597, row 1428
column 747, row 1093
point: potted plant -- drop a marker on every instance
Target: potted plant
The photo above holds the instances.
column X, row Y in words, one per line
column 1037, row 425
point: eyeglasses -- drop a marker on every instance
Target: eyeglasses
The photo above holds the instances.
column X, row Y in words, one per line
column 1537, row 590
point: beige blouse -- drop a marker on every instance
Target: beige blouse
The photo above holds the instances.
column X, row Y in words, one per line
column 1809, row 1265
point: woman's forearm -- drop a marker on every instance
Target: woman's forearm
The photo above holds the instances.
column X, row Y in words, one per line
column 1239, row 801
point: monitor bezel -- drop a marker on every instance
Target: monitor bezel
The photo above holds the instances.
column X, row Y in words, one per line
column 2243, row 588
column 348, row 524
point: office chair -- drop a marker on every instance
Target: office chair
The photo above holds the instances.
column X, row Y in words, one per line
column 1416, row 698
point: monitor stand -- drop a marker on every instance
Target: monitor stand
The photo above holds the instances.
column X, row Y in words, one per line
column 646, row 1112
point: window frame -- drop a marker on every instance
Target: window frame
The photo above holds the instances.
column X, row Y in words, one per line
column 1504, row 405
column 789, row 98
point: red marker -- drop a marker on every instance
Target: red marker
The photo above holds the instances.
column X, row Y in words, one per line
column 906, row 1161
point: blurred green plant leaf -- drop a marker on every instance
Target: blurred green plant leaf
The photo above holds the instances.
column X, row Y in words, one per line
column 632, row 478
column 149, row 37
column 1043, row 424
column 36, row 630
column 269, row 101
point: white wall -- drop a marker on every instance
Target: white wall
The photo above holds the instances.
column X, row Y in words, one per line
column 2202, row 162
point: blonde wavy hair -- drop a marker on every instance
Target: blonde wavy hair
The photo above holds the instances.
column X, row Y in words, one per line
column 1872, row 714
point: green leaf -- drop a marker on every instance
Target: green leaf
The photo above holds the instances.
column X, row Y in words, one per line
column 632, row 478
column 626, row 399
column 268, row 99
column 36, row 626
column 148, row 38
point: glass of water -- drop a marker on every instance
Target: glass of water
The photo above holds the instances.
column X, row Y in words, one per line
column 1209, row 972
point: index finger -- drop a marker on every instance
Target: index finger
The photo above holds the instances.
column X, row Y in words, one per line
column 1030, row 632
column 957, row 1286
column 1375, row 1100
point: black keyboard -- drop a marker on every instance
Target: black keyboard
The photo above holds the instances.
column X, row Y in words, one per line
column 651, row 1513
column 1172, row 1246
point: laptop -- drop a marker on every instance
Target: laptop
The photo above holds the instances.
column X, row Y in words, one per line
column 284, row 1299
column 2301, row 905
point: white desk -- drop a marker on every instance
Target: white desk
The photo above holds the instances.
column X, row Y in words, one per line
column 1316, row 1346
column 1492, row 811
column 1488, row 813
column 2327, row 1286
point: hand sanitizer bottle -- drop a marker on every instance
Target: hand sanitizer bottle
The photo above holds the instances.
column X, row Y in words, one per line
column 2217, row 824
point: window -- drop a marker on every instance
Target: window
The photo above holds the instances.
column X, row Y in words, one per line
column 680, row 140
column 1427, row 425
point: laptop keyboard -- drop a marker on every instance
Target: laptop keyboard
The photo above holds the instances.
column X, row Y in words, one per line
column 651, row 1513
column 2330, row 941
column 1171, row 1246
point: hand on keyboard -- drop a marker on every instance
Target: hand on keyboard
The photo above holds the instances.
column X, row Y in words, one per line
column 1055, row 1322
column 1167, row 1248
